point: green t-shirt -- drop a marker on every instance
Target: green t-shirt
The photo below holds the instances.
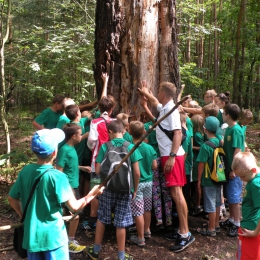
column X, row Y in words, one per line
column 251, row 204
column 44, row 228
column 243, row 128
column 206, row 155
column 48, row 118
column 219, row 117
column 134, row 157
column 187, row 146
column 189, row 125
column 198, row 140
column 152, row 138
column 62, row 121
column 97, row 114
column 128, row 137
column 67, row 159
column 145, row 165
column 234, row 138
column 81, row 146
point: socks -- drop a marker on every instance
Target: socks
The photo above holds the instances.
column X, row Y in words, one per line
column 121, row 255
column 97, row 248
column 236, row 223
column 231, row 220
column 185, row 235
column 71, row 238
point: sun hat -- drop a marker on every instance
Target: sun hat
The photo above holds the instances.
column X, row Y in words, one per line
column 45, row 141
column 211, row 124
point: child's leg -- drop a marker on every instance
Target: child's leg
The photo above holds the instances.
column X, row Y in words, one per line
column 212, row 221
column 120, row 237
column 73, row 227
column 139, row 222
column 147, row 221
column 100, row 229
column 217, row 217
column 198, row 195
column 157, row 200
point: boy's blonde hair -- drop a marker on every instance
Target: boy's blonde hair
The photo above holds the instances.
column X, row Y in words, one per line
column 244, row 161
column 210, row 110
column 198, row 122
column 136, row 129
column 183, row 117
column 246, row 114
column 123, row 118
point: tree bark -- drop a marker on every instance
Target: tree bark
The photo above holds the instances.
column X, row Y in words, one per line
column 134, row 41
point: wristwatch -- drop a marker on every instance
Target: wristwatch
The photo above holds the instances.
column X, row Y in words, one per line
column 173, row 154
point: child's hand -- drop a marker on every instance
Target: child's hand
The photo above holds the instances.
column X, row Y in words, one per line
column 93, row 193
column 232, row 175
column 143, row 101
column 104, row 77
column 247, row 233
column 86, row 114
column 85, row 168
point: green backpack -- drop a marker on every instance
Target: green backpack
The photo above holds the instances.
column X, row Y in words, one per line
column 217, row 171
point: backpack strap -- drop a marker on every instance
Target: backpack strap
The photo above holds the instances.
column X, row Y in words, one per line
column 109, row 145
column 211, row 144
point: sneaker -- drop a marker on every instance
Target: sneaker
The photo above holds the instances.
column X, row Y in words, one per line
column 74, row 247
column 196, row 211
column 90, row 252
column 127, row 257
column 86, row 225
column 233, row 230
column 225, row 224
column 172, row 236
column 181, row 243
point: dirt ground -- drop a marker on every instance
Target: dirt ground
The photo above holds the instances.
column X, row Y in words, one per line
column 157, row 247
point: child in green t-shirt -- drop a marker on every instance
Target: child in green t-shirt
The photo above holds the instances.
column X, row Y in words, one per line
column 198, row 140
column 187, row 146
column 245, row 118
column 245, row 166
column 123, row 118
column 119, row 202
column 142, row 204
column 211, row 191
column 50, row 116
column 67, row 162
column 233, row 143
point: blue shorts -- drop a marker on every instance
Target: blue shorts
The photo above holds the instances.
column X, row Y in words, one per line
column 55, row 254
column 118, row 202
column 212, row 198
column 234, row 190
column 143, row 199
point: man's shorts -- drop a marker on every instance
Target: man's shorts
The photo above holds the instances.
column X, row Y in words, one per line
column 248, row 248
column 143, row 199
column 212, row 198
column 58, row 253
column 177, row 176
column 118, row 202
column 234, row 190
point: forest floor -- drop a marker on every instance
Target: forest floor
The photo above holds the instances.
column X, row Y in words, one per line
column 157, row 247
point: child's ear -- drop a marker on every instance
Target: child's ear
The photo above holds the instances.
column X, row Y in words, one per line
column 254, row 170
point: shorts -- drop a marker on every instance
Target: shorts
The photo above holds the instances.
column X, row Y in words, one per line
column 117, row 202
column 177, row 176
column 76, row 193
column 212, row 198
column 234, row 190
column 248, row 248
column 143, row 199
column 85, row 175
column 58, row 253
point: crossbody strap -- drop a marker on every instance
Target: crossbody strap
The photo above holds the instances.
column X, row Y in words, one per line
column 31, row 193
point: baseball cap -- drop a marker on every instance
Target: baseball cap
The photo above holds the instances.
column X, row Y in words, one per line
column 211, row 124
column 46, row 141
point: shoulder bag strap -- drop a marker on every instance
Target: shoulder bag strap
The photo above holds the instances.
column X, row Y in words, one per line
column 31, row 193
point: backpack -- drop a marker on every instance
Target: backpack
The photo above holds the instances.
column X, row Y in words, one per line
column 122, row 181
column 217, row 171
column 170, row 133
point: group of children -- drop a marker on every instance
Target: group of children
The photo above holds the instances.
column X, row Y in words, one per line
column 85, row 147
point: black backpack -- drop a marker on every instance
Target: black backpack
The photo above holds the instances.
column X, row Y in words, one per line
column 122, row 181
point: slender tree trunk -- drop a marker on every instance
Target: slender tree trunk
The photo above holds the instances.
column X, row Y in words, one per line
column 132, row 45
column 3, row 97
column 236, row 93
column 216, row 62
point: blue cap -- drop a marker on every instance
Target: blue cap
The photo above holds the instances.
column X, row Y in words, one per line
column 46, row 141
column 211, row 124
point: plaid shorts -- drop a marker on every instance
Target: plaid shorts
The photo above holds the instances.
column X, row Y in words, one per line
column 143, row 200
column 120, row 203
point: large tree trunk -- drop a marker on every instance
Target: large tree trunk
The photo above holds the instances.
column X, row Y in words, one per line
column 134, row 41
